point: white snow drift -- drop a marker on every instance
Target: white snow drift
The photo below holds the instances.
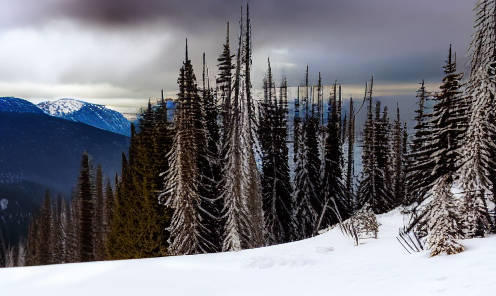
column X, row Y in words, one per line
column 328, row 264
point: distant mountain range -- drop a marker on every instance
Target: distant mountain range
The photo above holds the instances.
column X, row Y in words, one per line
column 90, row 114
column 15, row 105
column 40, row 151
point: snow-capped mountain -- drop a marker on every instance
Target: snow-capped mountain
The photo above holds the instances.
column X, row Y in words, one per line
column 90, row 114
column 16, row 105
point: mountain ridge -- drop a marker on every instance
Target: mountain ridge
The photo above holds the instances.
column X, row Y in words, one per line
column 91, row 114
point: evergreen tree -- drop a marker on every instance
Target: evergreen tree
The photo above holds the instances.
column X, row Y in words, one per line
column 109, row 213
column 181, row 189
column 441, row 144
column 74, row 230
column 442, row 221
column 419, row 160
column 33, row 243
column 351, row 153
column 46, row 230
column 59, row 232
column 441, row 151
column 275, row 180
column 210, row 170
column 137, row 224
column 240, row 188
column 398, row 158
column 86, row 195
column 375, row 185
column 252, row 190
column 336, row 201
column 99, row 216
column 477, row 177
column 307, row 204
column 224, row 82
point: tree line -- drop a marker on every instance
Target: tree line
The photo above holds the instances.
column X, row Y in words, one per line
column 228, row 173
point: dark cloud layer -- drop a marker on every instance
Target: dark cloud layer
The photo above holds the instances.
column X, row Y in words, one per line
column 397, row 41
column 410, row 33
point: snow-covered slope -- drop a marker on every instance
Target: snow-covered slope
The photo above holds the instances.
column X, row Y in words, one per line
column 91, row 114
column 328, row 264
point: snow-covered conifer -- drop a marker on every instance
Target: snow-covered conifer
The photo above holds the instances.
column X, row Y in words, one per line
column 241, row 190
column 443, row 219
column 181, row 188
column 275, row 180
column 336, row 200
column 477, row 177
column 375, row 187
column 306, row 195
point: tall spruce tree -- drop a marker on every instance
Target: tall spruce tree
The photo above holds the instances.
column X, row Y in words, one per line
column 45, row 231
column 86, row 195
column 336, row 200
column 398, row 160
column 99, row 216
column 211, row 205
column 59, row 233
column 252, row 190
column 74, row 229
column 275, row 181
column 307, row 204
column 181, row 188
column 374, row 189
column 351, row 154
column 477, row 173
column 241, row 190
column 443, row 145
column 419, row 160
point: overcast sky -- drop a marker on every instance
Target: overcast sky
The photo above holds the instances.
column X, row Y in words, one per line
column 121, row 52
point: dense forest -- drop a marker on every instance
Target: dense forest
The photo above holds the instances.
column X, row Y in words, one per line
column 231, row 171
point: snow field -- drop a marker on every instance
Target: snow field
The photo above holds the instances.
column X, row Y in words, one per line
column 328, row 264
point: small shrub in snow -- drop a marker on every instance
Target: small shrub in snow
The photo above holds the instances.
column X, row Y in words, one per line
column 362, row 224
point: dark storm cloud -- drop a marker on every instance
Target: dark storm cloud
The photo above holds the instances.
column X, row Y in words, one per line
column 349, row 40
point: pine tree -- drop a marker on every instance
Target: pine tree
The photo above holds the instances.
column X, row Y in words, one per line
column 137, row 224
column 224, row 87
column 252, row 190
column 210, row 171
column 398, row 157
column 336, row 201
column 442, row 222
column 307, row 204
column 419, row 161
column 441, row 150
column 296, row 126
column 374, row 189
column 108, row 213
column 32, row 248
column 383, row 154
column 443, row 141
column 181, row 188
column 45, row 231
column 86, row 195
column 240, row 188
column 59, row 231
column 477, row 177
column 99, row 216
column 351, row 153
column 74, row 229
column 275, row 180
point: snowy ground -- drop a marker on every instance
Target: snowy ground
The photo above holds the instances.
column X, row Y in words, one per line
column 328, row 264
